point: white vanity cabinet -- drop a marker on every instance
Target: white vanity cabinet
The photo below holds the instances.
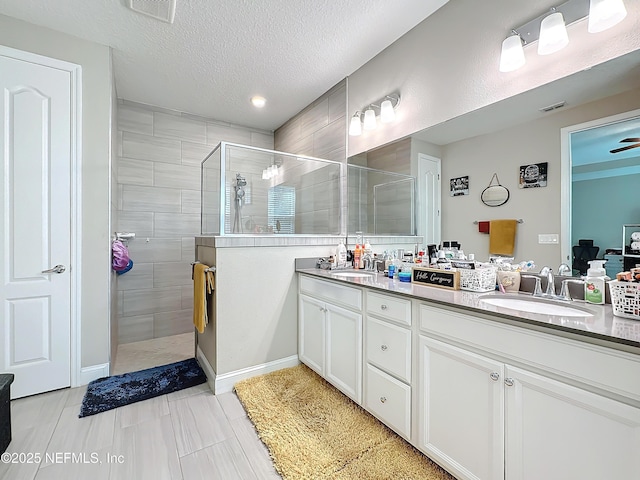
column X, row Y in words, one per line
column 499, row 402
column 330, row 333
column 388, row 360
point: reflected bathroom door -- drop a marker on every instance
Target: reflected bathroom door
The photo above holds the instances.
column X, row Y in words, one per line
column 35, row 245
column 429, row 198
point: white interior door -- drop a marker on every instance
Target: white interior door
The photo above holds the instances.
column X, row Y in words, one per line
column 35, row 148
column 429, row 195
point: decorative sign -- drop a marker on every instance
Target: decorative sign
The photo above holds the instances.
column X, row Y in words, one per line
column 459, row 186
column 436, row 278
column 534, row 175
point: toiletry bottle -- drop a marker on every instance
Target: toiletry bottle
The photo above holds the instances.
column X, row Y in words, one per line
column 594, row 283
column 357, row 255
column 367, row 248
column 341, row 255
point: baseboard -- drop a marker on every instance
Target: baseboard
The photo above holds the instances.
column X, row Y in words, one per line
column 224, row 383
column 207, row 368
column 88, row 374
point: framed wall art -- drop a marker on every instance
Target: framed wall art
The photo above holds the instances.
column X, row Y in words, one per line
column 533, row 175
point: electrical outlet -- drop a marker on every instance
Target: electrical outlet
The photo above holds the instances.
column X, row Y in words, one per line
column 548, row 238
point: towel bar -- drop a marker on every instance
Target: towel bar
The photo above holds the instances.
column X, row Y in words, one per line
column 519, row 221
column 210, row 269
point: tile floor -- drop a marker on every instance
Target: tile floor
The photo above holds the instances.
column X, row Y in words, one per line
column 189, row 435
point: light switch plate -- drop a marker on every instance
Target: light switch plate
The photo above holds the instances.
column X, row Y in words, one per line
column 548, row 238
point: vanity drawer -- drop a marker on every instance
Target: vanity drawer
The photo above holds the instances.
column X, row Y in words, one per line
column 389, row 348
column 387, row 306
column 333, row 292
column 389, row 400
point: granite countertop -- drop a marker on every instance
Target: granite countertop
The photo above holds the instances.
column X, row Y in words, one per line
column 601, row 327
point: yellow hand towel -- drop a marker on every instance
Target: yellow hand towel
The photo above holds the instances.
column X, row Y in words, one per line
column 202, row 284
column 502, row 237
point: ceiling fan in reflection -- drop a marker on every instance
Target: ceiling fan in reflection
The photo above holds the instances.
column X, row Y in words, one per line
column 622, row 149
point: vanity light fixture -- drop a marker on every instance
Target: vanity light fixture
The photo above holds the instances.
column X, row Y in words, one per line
column 604, row 14
column 512, row 57
column 370, row 119
column 553, row 34
column 270, row 172
column 355, row 127
column 366, row 119
column 549, row 29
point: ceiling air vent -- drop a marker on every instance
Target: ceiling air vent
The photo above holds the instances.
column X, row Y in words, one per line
column 555, row 106
column 159, row 9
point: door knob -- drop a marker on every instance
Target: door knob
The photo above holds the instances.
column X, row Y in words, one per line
column 56, row 269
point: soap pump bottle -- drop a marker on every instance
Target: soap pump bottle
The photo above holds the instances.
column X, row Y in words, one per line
column 594, row 283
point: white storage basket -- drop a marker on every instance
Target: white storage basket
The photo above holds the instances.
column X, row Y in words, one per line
column 625, row 299
column 478, row 280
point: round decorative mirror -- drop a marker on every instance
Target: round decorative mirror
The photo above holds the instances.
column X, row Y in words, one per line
column 495, row 194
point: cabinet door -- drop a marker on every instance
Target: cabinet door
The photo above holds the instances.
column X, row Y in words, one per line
column 461, row 410
column 311, row 332
column 344, row 351
column 554, row 430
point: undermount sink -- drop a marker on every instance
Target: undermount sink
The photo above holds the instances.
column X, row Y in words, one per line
column 352, row 274
column 535, row 305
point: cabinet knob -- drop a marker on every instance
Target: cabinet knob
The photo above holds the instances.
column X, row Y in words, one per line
column 509, row 382
column 383, row 348
column 383, row 307
column 495, row 376
column 383, row 399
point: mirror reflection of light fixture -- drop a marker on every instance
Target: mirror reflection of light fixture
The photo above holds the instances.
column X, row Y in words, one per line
column 604, row 14
column 366, row 119
column 355, row 127
column 370, row 119
column 270, row 172
column 553, row 34
column 549, row 29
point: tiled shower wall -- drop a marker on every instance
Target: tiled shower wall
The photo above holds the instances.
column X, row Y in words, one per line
column 158, row 192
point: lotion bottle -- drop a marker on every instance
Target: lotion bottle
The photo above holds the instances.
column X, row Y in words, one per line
column 594, row 283
column 341, row 255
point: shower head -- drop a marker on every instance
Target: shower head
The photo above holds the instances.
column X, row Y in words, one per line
column 240, row 180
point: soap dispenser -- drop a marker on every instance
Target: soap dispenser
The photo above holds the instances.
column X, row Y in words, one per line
column 594, row 283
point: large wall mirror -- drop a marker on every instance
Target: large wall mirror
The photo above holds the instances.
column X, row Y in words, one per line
column 545, row 210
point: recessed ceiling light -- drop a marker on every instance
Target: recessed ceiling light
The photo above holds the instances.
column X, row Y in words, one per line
column 258, row 101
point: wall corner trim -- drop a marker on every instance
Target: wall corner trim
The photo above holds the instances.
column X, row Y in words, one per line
column 88, row 374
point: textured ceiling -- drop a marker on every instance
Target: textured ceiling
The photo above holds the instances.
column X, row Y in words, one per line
column 219, row 53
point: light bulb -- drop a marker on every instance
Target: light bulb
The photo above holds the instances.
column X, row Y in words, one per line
column 355, row 127
column 604, row 14
column 512, row 56
column 369, row 119
column 553, row 34
column 387, row 113
column 258, row 101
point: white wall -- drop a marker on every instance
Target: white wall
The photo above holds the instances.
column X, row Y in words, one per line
column 95, row 208
column 448, row 64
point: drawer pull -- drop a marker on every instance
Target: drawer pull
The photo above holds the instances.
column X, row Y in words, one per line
column 383, row 348
column 383, row 307
column 494, row 376
column 383, row 399
column 509, row 382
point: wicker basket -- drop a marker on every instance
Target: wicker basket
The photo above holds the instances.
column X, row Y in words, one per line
column 478, row 280
column 625, row 299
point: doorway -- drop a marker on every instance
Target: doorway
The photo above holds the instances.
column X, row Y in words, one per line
column 603, row 163
column 39, row 125
column 429, row 191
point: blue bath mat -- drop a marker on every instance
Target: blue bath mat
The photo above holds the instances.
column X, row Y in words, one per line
column 112, row 392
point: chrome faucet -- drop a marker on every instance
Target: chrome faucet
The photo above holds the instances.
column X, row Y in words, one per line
column 376, row 263
column 367, row 262
column 551, row 281
column 564, row 269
